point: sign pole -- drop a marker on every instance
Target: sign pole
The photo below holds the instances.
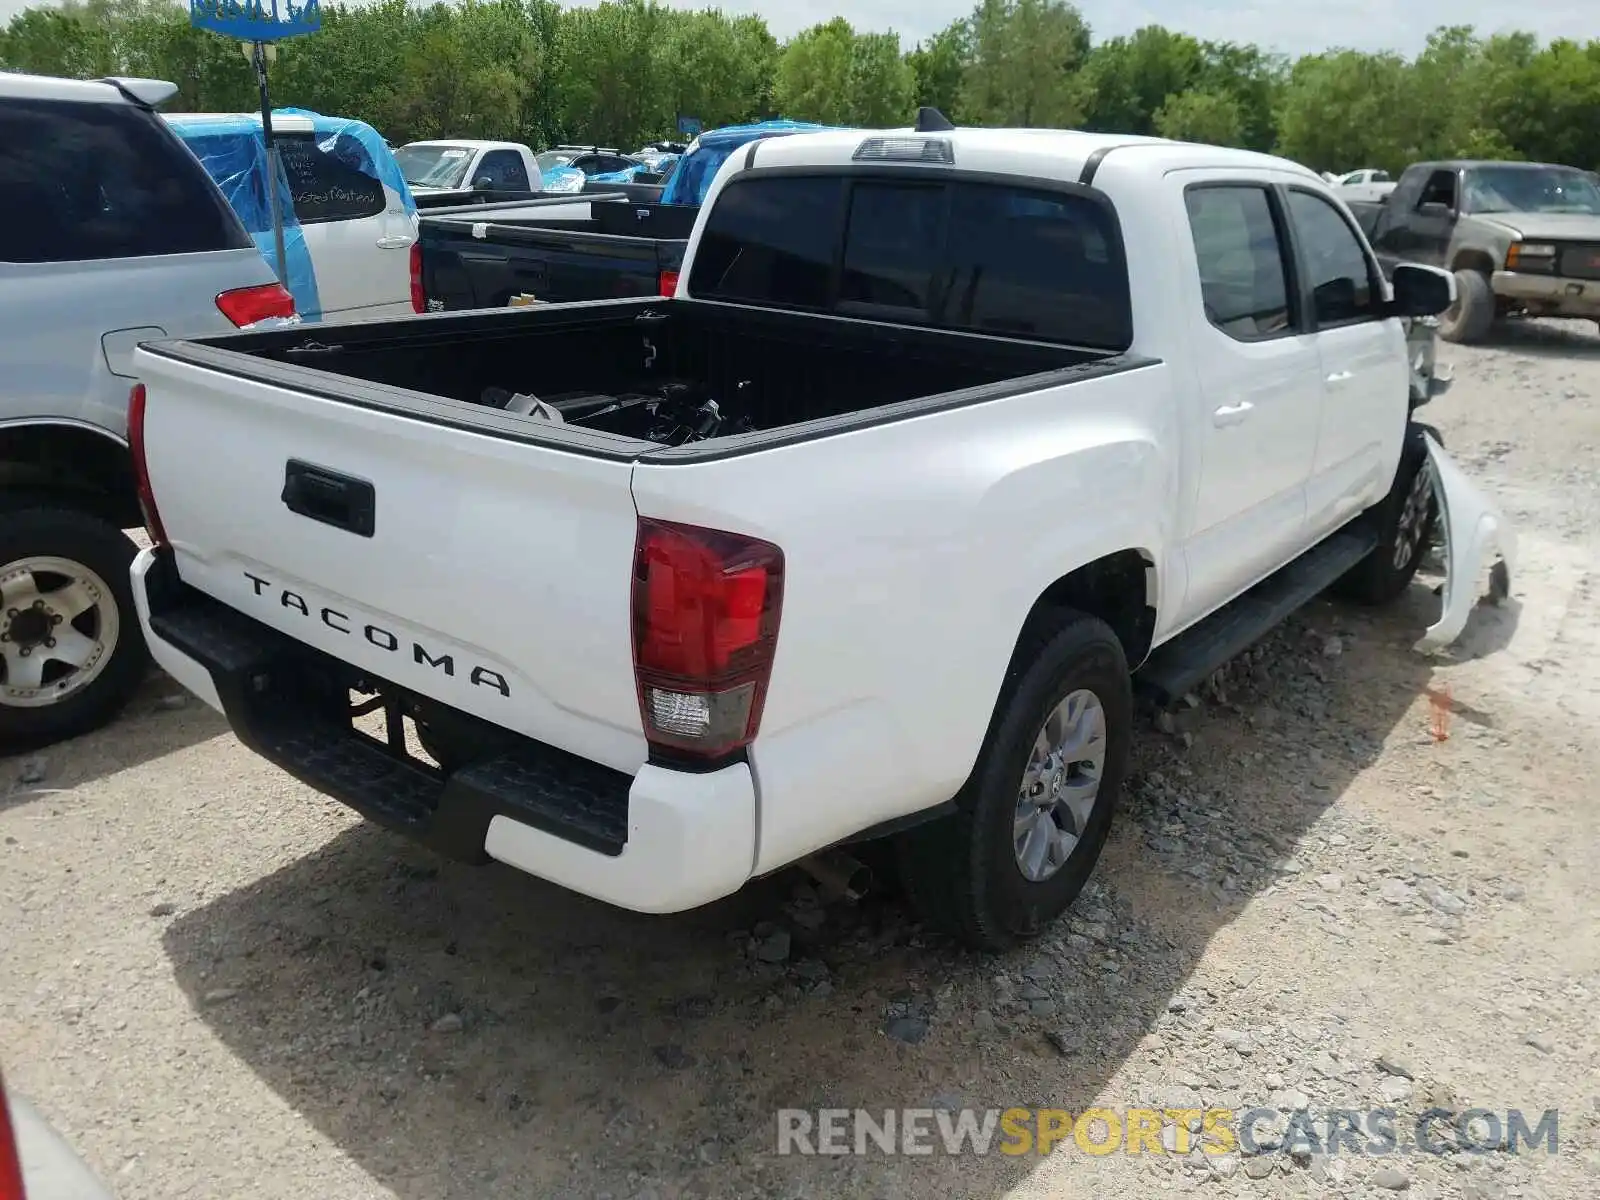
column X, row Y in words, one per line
column 258, row 58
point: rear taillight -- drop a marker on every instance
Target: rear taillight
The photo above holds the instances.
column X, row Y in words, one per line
column 10, row 1156
column 141, row 467
column 669, row 283
column 419, row 299
column 246, row 306
column 706, row 606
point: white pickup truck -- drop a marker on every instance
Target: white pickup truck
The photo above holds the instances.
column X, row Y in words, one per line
column 947, row 441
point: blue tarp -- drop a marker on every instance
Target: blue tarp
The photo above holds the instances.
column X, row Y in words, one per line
column 231, row 149
column 690, row 182
column 563, row 179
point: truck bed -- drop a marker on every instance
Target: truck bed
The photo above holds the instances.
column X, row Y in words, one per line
column 661, row 372
column 484, row 258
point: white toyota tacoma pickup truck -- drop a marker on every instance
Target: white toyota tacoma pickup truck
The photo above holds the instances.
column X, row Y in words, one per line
column 948, row 441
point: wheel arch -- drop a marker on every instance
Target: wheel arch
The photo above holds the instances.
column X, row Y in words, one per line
column 86, row 467
column 1121, row 588
column 1473, row 260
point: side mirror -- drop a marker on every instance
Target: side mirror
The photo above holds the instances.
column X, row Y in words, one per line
column 1421, row 291
column 483, row 184
column 1434, row 208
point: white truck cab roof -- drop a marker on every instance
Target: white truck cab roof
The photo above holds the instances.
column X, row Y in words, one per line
column 1043, row 153
column 111, row 90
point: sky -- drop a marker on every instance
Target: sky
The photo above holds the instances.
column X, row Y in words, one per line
column 1283, row 25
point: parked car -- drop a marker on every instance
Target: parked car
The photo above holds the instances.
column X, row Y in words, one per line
column 1368, row 184
column 945, row 440
column 457, row 171
column 350, row 223
column 591, row 160
column 1522, row 239
column 112, row 234
column 613, row 248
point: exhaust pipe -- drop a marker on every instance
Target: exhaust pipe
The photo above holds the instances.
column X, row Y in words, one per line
column 838, row 873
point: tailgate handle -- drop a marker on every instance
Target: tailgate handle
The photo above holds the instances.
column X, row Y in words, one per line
column 330, row 497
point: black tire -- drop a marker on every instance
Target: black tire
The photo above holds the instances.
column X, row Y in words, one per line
column 1472, row 316
column 34, row 527
column 961, row 872
column 1405, row 519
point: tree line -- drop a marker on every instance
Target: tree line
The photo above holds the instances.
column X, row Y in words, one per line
column 622, row 73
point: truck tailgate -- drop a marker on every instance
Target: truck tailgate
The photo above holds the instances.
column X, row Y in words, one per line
column 510, row 561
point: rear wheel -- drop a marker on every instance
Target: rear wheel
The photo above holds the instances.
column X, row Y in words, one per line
column 1471, row 317
column 1031, row 822
column 71, row 651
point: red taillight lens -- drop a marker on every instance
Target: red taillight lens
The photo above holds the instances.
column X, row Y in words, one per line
column 706, row 606
column 669, row 283
column 141, row 468
column 419, row 299
column 245, row 306
column 10, row 1157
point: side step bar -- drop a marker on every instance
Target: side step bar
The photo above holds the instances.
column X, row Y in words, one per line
column 1181, row 665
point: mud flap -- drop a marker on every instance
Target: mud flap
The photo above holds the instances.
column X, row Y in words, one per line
column 1476, row 535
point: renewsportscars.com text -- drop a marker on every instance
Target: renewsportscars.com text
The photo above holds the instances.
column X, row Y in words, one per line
column 1213, row 1131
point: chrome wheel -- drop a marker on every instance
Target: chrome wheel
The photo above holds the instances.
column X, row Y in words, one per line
column 1060, row 785
column 1413, row 518
column 58, row 630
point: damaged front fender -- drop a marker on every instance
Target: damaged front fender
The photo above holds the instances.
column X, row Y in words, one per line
column 1476, row 535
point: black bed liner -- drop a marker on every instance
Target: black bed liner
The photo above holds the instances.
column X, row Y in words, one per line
column 815, row 374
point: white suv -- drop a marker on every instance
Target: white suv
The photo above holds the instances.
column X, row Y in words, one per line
column 111, row 234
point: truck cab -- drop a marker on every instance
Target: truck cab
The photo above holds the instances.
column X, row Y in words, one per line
column 446, row 172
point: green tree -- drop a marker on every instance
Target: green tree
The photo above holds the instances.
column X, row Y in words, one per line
column 1133, row 77
column 814, row 73
column 938, row 66
column 1196, row 116
column 1345, row 110
column 1026, row 65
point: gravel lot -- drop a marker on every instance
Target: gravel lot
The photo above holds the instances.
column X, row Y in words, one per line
column 220, row 984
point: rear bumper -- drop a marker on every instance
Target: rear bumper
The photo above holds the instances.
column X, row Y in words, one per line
column 1550, row 294
column 658, row 841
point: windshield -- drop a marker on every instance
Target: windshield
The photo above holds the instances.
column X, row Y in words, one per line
column 432, row 166
column 1531, row 190
column 551, row 159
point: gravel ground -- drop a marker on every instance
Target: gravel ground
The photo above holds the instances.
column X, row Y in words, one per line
column 221, row 984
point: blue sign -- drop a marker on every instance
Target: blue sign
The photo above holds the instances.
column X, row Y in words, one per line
column 257, row 20
column 689, row 126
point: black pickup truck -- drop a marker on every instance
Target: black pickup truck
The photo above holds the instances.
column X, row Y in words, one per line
column 1522, row 238
column 554, row 250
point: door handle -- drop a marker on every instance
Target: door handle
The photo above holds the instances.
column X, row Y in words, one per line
column 1232, row 414
column 1341, row 377
column 395, row 243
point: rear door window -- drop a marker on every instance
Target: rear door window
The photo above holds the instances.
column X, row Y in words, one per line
column 990, row 258
column 82, row 181
column 326, row 180
column 1244, row 273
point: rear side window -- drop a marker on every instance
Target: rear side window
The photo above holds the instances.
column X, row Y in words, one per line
column 326, row 181
column 82, row 181
column 989, row 258
column 1244, row 281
